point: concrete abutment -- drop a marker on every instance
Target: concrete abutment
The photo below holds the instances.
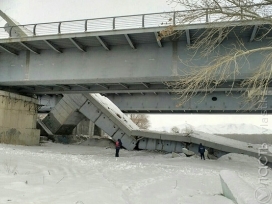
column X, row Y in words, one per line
column 18, row 116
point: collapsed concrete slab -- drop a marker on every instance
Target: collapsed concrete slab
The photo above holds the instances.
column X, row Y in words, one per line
column 103, row 113
column 170, row 142
column 18, row 115
column 65, row 116
column 73, row 108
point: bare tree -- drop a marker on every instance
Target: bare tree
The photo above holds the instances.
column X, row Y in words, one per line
column 141, row 120
column 187, row 131
column 221, row 17
column 175, row 129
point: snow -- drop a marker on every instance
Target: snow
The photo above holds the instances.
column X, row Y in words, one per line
column 61, row 174
column 114, row 110
column 226, row 128
column 241, row 158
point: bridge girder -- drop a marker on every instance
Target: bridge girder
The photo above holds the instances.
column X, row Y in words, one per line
column 217, row 102
column 122, row 65
column 109, row 62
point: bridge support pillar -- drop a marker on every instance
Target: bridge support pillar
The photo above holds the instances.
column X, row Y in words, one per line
column 18, row 116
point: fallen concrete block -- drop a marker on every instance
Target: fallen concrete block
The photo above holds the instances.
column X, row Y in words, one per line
column 174, row 155
column 236, row 189
column 187, row 152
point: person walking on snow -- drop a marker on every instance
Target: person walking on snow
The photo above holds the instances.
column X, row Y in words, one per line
column 118, row 145
column 201, row 150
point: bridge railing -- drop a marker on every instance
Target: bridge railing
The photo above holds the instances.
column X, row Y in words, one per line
column 124, row 22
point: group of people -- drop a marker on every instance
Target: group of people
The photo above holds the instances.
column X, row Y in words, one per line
column 118, row 145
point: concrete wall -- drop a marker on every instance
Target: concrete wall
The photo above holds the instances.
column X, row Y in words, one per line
column 18, row 115
column 85, row 127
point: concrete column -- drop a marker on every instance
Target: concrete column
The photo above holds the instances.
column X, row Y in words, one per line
column 18, row 118
column 91, row 128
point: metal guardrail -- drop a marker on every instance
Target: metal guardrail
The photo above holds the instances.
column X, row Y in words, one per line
column 126, row 22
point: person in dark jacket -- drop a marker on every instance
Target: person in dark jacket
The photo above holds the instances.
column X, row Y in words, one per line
column 201, row 150
column 118, row 145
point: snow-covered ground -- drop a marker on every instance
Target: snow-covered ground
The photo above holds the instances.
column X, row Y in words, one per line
column 76, row 174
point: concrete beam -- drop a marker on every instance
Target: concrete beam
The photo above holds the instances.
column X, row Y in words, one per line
column 82, row 86
column 217, row 102
column 103, row 43
column 130, row 41
column 123, row 85
column 77, row 44
column 45, row 87
column 8, row 49
column 165, row 103
column 64, row 116
column 65, row 87
column 53, row 46
column 30, row 48
column 188, row 37
column 254, row 32
column 145, row 85
column 157, row 39
column 104, row 86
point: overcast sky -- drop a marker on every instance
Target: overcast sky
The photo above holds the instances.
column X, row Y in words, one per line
column 35, row 11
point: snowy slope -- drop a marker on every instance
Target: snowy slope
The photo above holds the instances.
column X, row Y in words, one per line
column 222, row 129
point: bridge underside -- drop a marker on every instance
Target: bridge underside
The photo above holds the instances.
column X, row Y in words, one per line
column 123, row 61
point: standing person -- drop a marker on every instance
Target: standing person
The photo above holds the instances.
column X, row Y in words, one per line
column 201, row 150
column 118, row 145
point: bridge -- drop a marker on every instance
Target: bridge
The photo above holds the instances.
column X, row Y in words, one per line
column 67, row 64
column 121, row 58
